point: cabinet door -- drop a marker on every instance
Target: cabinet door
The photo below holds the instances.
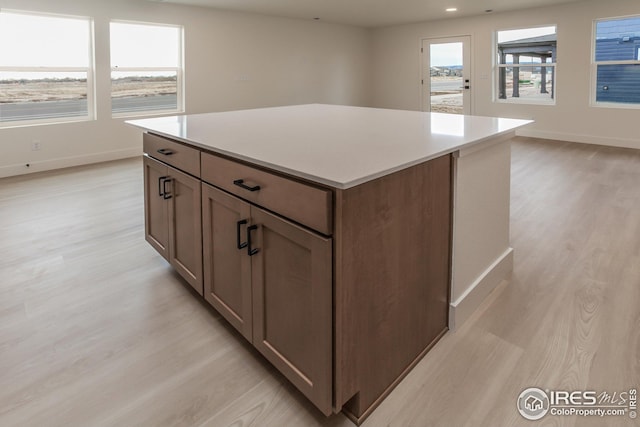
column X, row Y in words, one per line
column 156, row 214
column 227, row 267
column 292, row 303
column 185, row 227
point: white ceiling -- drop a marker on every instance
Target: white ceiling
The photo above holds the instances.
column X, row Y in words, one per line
column 369, row 13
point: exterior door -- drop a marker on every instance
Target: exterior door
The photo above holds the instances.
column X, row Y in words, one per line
column 227, row 266
column 292, row 303
column 446, row 76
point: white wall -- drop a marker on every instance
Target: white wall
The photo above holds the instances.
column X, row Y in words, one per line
column 286, row 61
column 396, row 65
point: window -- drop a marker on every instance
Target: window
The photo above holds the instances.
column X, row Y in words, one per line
column 146, row 68
column 46, row 70
column 526, row 65
column 616, row 64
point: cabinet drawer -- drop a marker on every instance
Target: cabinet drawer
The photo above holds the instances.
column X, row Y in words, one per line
column 173, row 153
column 302, row 203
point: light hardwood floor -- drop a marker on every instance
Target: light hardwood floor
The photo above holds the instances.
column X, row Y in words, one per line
column 97, row 330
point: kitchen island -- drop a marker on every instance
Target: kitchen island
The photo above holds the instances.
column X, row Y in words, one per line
column 342, row 242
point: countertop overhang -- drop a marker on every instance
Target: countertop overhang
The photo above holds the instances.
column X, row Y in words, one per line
column 337, row 146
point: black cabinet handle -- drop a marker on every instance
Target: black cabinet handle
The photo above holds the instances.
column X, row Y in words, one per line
column 161, row 185
column 166, row 194
column 238, row 225
column 251, row 251
column 165, row 151
column 240, row 183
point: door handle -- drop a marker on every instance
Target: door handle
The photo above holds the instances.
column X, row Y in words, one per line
column 165, row 193
column 161, row 185
column 241, row 245
column 251, row 251
column 240, row 183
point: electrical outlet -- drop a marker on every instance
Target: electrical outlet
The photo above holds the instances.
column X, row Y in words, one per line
column 36, row 145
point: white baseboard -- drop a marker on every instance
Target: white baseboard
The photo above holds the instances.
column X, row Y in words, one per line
column 585, row 139
column 65, row 162
column 461, row 309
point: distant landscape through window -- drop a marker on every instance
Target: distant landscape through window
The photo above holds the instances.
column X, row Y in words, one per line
column 45, row 68
column 526, row 65
column 146, row 68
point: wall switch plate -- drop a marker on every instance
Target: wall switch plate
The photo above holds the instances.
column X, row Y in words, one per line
column 36, row 145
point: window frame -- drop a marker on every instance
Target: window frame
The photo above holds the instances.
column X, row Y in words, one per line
column 593, row 102
column 89, row 70
column 180, row 104
column 497, row 66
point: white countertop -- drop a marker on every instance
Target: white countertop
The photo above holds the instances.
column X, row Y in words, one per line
column 333, row 145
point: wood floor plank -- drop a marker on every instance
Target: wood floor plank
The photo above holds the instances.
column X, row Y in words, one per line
column 97, row 330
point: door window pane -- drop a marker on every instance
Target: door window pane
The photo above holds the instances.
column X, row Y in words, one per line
column 446, row 64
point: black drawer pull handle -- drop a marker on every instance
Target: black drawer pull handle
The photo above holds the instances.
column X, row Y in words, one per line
column 240, row 183
column 166, row 194
column 165, row 151
column 161, row 185
column 251, row 251
column 241, row 245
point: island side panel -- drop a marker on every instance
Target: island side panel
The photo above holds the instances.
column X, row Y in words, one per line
column 482, row 255
column 392, row 279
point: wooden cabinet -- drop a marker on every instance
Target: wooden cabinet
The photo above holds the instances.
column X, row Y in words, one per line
column 227, row 268
column 392, row 244
column 180, row 156
column 156, row 212
column 342, row 290
column 272, row 280
column 305, row 204
column 292, row 304
column 173, row 218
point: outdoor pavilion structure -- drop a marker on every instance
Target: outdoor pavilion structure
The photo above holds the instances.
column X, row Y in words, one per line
column 542, row 47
